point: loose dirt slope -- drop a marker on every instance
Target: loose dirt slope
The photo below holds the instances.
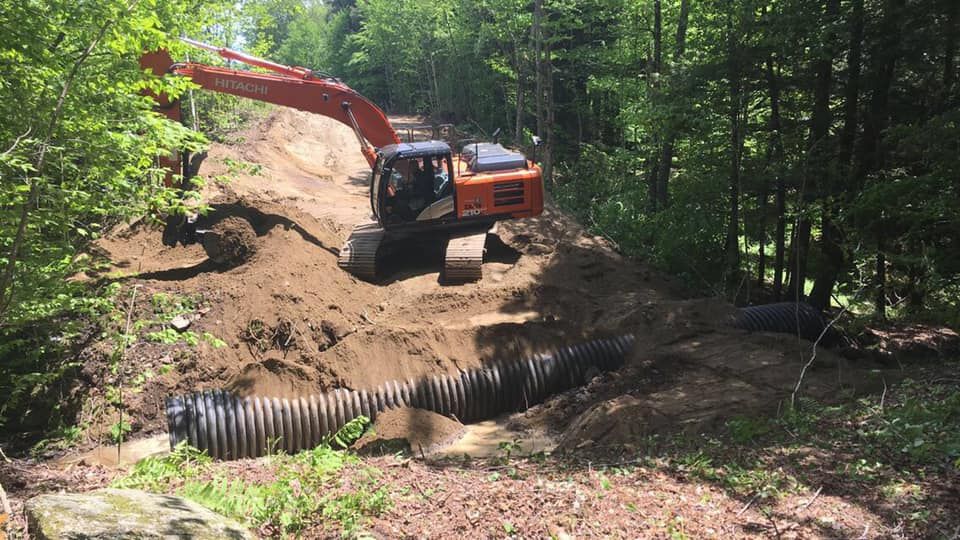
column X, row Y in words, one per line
column 293, row 322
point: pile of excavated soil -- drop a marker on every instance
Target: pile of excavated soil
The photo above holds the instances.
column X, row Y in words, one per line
column 416, row 431
column 294, row 323
column 230, row 241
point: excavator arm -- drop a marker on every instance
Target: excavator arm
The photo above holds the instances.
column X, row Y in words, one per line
column 296, row 87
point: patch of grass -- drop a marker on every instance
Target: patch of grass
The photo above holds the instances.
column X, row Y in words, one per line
column 119, row 430
column 237, row 166
column 922, row 425
column 305, row 489
column 901, row 447
column 744, row 429
column 753, row 478
column 160, row 474
column 308, row 486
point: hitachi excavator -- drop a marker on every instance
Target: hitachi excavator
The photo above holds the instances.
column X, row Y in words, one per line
column 416, row 188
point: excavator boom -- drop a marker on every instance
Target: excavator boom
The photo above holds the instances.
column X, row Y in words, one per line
column 294, row 87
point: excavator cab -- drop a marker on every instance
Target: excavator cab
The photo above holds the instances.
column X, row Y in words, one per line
column 412, row 185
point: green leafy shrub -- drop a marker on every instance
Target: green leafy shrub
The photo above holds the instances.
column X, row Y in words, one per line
column 308, row 488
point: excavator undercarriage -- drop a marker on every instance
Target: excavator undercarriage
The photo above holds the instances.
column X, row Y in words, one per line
column 463, row 252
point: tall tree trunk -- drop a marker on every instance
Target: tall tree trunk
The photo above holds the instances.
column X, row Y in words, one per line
column 653, row 76
column 550, row 121
column 537, row 36
column 666, row 156
column 682, row 31
column 797, row 258
column 781, row 239
column 518, row 130
column 816, row 170
column 870, row 157
column 657, row 35
column 764, row 199
column 950, row 52
column 880, row 281
column 776, row 159
column 852, row 96
column 831, row 237
column 732, row 247
column 435, row 104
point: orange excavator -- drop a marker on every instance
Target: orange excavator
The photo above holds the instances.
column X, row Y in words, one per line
column 417, row 189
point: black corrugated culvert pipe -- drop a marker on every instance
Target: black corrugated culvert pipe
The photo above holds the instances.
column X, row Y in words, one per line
column 788, row 318
column 230, row 427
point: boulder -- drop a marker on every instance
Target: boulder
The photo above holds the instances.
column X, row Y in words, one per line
column 125, row 513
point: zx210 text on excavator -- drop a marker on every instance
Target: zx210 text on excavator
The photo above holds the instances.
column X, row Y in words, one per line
column 416, row 188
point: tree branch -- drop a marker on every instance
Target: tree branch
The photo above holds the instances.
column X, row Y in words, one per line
column 813, row 354
column 16, row 142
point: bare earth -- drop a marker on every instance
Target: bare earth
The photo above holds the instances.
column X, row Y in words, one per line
column 294, row 323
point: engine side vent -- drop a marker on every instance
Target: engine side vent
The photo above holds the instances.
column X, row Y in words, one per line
column 508, row 194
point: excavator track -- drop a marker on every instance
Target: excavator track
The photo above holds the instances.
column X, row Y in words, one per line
column 464, row 257
column 359, row 254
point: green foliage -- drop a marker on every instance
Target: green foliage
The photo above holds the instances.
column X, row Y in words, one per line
column 309, row 42
column 81, row 141
column 169, row 336
column 923, row 425
column 35, row 358
column 167, row 306
column 160, row 474
column 308, row 489
column 708, row 98
column 267, row 23
column 506, row 449
column 238, row 166
column 78, row 154
column 63, row 438
column 213, row 340
column 351, row 431
column 893, row 442
column 118, row 431
column 744, row 430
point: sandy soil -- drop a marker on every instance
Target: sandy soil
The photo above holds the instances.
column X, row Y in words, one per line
column 414, row 431
column 293, row 323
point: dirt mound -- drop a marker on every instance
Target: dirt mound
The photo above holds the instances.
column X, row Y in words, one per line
column 415, row 430
column 281, row 318
column 275, row 377
column 231, row 241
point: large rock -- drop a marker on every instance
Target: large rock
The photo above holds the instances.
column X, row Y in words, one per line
column 127, row 514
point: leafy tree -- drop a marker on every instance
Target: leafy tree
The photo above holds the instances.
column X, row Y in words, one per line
column 80, row 154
